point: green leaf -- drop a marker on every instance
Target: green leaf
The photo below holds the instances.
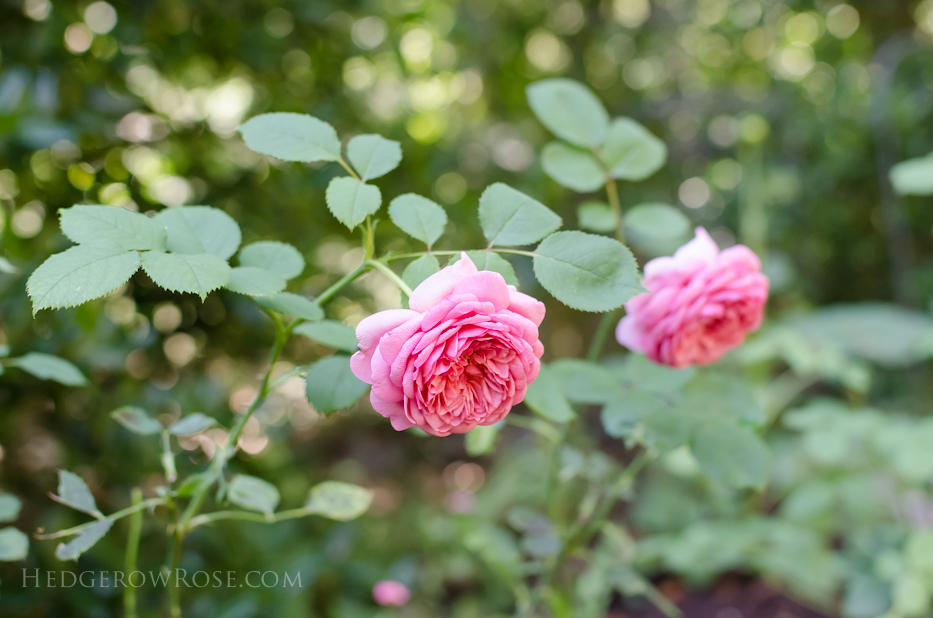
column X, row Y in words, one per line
column 291, row 137
column 74, row 492
column 490, row 260
column 481, row 440
column 373, row 156
column 10, row 506
column 622, row 415
column 84, row 541
column 913, row 177
column 191, row 424
column 7, row 267
column 726, row 397
column 331, row 333
column 95, row 225
column 510, row 218
column 351, row 201
column 584, row 382
column 80, row 274
column 570, row 110
column 668, row 427
column 596, row 217
column 48, row 367
column 278, row 257
column 292, row 304
column 198, row 273
column 631, row 152
column 420, row 269
column 340, row 501
column 14, row 545
column 254, row 281
column 200, row 229
column 587, row 272
column 573, row 168
column 545, row 397
column 253, row 494
column 331, row 384
column 731, row 454
column 639, row 373
column 656, row 223
column 418, row 217
column 136, row 420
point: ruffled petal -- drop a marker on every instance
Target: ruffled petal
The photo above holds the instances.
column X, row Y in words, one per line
column 439, row 285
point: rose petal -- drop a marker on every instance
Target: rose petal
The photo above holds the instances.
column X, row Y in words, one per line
column 439, row 285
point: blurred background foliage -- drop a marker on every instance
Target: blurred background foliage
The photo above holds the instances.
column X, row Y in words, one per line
column 782, row 119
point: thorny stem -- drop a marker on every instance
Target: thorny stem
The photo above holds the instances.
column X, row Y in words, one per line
column 132, row 552
column 207, row 518
column 145, row 504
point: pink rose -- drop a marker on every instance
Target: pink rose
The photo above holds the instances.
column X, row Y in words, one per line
column 700, row 304
column 462, row 355
column 391, row 592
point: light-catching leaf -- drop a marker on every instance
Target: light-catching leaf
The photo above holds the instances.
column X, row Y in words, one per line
column 510, row 218
column 200, row 229
column 277, row 257
column 584, row 382
column 253, row 494
column 339, row 501
column 545, row 397
column 587, row 272
column 10, row 506
column 191, row 424
column 418, row 217
column 597, row 217
column 351, row 201
column 731, row 454
column 631, row 151
column 420, row 269
column 293, row 304
column 48, row 367
column 331, row 333
column 481, row 440
column 14, row 545
column 656, row 229
column 331, row 384
column 74, row 492
column 136, row 420
column 490, row 260
column 570, row 110
column 80, row 274
column 373, row 156
column 913, row 177
column 254, row 281
column 573, row 168
column 84, row 541
column 291, row 137
column 111, row 225
column 622, row 415
column 198, row 274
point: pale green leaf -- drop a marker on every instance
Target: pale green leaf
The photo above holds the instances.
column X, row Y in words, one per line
column 191, row 424
column 570, row 110
column 10, row 506
column 913, row 177
column 74, row 492
column 481, row 440
column 291, row 137
column 420, row 269
column 200, row 229
column 597, row 217
column 7, row 267
column 14, row 545
column 198, row 274
column 731, row 454
column 418, row 217
column 726, row 397
column 510, row 218
column 253, row 494
column 642, row 374
column 583, row 381
column 80, row 274
column 490, row 260
column 373, row 156
column 278, row 257
column 83, row 541
column 622, row 415
column 573, row 168
column 292, row 304
column 254, row 281
column 545, row 397
column 351, row 201
column 331, row 333
column 656, row 222
column 48, row 367
column 96, row 225
column 339, row 501
column 136, row 420
column 587, row 272
column 331, row 384
column 631, row 152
